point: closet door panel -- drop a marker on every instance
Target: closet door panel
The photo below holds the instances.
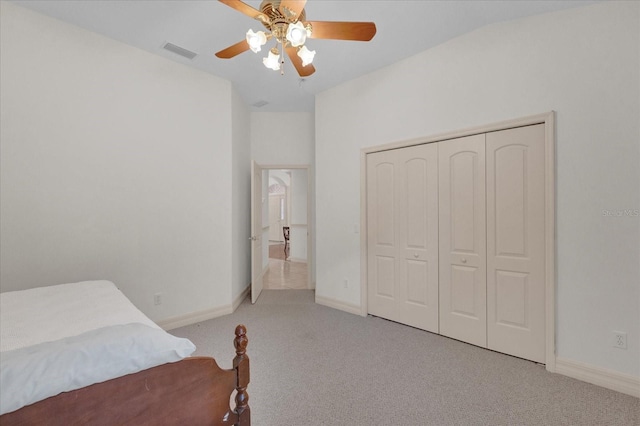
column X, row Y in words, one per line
column 462, row 242
column 402, row 235
column 515, row 242
column 382, row 240
column 418, row 234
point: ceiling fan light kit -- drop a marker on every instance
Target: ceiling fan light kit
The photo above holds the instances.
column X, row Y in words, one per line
column 306, row 55
column 297, row 34
column 256, row 40
column 273, row 60
column 286, row 22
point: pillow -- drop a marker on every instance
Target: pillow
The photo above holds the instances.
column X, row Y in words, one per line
column 34, row 373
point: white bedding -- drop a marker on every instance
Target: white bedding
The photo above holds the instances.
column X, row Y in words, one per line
column 45, row 314
column 61, row 338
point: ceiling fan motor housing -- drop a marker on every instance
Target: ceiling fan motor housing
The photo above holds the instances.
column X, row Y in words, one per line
column 279, row 21
column 271, row 8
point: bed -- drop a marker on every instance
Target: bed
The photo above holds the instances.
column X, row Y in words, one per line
column 81, row 353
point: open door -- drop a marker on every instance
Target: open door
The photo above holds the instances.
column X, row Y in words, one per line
column 256, row 231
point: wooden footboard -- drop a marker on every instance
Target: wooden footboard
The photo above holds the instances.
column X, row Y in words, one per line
column 193, row 391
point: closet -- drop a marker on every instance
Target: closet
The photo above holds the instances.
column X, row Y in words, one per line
column 456, row 238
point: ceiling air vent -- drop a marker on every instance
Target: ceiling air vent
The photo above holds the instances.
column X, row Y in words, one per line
column 179, row 51
column 260, row 104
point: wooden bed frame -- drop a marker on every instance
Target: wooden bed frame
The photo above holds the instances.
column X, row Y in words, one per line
column 193, row 391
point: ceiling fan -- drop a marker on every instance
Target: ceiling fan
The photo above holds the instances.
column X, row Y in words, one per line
column 286, row 22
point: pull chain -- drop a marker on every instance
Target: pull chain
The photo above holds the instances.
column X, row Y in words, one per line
column 282, row 57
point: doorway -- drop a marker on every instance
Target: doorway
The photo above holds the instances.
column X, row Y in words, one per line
column 282, row 222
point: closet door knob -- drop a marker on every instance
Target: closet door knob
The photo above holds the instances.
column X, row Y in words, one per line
column 464, row 260
column 416, row 255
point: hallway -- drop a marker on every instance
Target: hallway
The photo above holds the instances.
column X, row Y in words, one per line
column 284, row 274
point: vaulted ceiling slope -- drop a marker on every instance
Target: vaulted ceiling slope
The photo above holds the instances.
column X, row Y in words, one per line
column 404, row 28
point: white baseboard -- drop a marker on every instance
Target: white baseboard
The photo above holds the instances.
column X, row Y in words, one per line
column 195, row 317
column 336, row 304
column 599, row 376
column 297, row 259
column 238, row 300
column 207, row 314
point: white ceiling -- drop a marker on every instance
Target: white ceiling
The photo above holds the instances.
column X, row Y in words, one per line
column 404, row 28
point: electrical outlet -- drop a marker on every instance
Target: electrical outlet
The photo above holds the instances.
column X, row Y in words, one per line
column 620, row 339
column 346, row 283
column 157, row 299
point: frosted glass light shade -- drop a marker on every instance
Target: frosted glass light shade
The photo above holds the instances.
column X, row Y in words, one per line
column 306, row 55
column 256, row 40
column 296, row 34
column 273, row 60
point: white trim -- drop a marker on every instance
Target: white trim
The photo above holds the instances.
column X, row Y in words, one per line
column 297, row 259
column 493, row 127
column 336, row 304
column 240, row 298
column 548, row 119
column 195, row 317
column 599, row 376
column 284, row 166
column 364, row 308
column 550, row 239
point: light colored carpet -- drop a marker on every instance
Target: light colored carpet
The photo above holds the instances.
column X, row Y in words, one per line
column 313, row 365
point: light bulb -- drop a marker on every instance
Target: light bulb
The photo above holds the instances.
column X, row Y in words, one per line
column 296, row 34
column 256, row 40
column 273, row 60
column 306, row 55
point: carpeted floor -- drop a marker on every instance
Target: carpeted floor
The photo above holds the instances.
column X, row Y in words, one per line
column 313, row 365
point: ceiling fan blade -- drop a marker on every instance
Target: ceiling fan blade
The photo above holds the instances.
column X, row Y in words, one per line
column 305, row 71
column 233, row 50
column 246, row 9
column 292, row 8
column 357, row 31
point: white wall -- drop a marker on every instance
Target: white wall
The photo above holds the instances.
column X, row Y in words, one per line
column 241, row 197
column 282, row 137
column 582, row 63
column 113, row 164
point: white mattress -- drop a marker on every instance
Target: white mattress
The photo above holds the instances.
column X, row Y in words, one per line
column 65, row 337
column 45, row 314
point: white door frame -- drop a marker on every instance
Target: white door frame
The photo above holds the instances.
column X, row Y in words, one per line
column 307, row 167
column 548, row 119
column 257, row 198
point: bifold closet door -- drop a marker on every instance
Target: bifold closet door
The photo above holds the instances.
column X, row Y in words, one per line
column 463, row 239
column 402, row 235
column 515, row 242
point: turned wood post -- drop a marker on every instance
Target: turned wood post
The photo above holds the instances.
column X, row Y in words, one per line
column 241, row 365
